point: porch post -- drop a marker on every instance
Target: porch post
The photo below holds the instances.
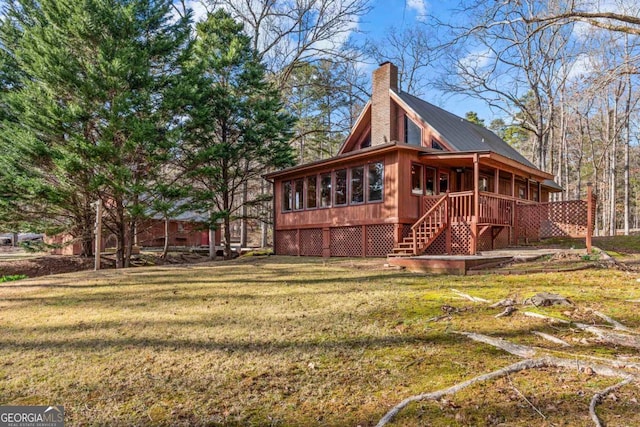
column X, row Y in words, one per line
column 496, row 181
column 476, row 204
column 447, row 216
column 539, row 192
column 589, row 216
column 514, row 214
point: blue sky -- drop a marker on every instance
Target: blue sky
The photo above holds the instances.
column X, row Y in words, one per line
column 407, row 13
column 402, row 14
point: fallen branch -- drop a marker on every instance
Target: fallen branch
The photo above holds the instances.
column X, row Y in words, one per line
column 508, row 311
column 552, row 338
column 617, row 325
column 438, row 318
column 435, row 395
column 507, row 302
column 526, row 364
column 597, row 398
column 515, row 349
column 469, row 297
column 522, row 351
column 542, row 316
column 614, row 338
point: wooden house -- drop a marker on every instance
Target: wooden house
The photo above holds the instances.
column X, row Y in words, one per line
column 412, row 178
column 186, row 230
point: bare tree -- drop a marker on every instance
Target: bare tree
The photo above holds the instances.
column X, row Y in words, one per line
column 412, row 49
column 513, row 66
column 287, row 33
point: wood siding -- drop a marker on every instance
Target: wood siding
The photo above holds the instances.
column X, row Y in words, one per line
column 382, row 212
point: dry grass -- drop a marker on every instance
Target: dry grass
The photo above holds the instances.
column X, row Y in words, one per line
column 289, row 341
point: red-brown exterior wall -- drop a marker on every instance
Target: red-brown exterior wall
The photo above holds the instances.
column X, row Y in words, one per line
column 150, row 234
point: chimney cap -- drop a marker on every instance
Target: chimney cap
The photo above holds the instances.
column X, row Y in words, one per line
column 385, row 63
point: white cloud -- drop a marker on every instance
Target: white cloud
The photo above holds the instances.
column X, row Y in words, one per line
column 199, row 9
column 582, row 66
column 477, row 59
column 419, row 7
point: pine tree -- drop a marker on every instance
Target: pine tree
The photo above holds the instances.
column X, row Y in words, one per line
column 93, row 117
column 233, row 126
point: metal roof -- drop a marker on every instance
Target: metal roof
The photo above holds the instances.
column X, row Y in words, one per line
column 461, row 134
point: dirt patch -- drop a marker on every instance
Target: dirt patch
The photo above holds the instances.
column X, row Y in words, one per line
column 14, row 261
column 45, row 265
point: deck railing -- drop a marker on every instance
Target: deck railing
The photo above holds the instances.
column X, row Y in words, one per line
column 461, row 206
column 494, row 208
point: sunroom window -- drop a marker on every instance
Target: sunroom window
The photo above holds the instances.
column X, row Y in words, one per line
column 286, row 196
column 325, row 190
column 416, row 178
column 298, row 197
column 376, row 182
column 340, row 195
column 312, row 194
column 357, row 185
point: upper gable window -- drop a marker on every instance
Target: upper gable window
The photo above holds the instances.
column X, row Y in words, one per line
column 435, row 144
column 412, row 132
column 366, row 141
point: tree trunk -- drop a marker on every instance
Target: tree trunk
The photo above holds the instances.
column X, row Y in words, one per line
column 264, row 218
column 14, row 239
column 627, row 178
column 212, row 244
column 120, row 234
column 227, row 238
column 165, row 249
column 612, row 183
column 243, row 212
column 128, row 249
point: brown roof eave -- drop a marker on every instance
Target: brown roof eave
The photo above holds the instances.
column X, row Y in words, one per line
column 498, row 158
column 352, row 155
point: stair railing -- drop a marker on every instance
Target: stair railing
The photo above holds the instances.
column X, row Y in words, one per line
column 430, row 223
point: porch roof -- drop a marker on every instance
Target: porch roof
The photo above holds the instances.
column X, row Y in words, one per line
column 454, row 159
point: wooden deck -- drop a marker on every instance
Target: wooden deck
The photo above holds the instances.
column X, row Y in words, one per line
column 448, row 264
column 467, row 264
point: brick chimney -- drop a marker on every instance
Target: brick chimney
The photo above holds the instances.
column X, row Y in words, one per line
column 383, row 111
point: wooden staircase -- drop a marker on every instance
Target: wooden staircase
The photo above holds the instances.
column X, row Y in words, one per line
column 425, row 230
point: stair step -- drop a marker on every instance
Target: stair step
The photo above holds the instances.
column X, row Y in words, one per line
column 395, row 255
column 398, row 250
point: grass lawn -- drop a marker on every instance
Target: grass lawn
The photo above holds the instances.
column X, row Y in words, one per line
column 297, row 342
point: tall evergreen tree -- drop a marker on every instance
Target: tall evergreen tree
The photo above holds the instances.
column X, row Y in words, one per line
column 233, row 125
column 93, row 122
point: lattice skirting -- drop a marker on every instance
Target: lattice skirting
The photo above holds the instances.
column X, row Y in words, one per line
column 501, row 240
column 460, row 239
column 377, row 239
column 553, row 219
column 311, row 242
column 287, row 242
column 346, row 241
